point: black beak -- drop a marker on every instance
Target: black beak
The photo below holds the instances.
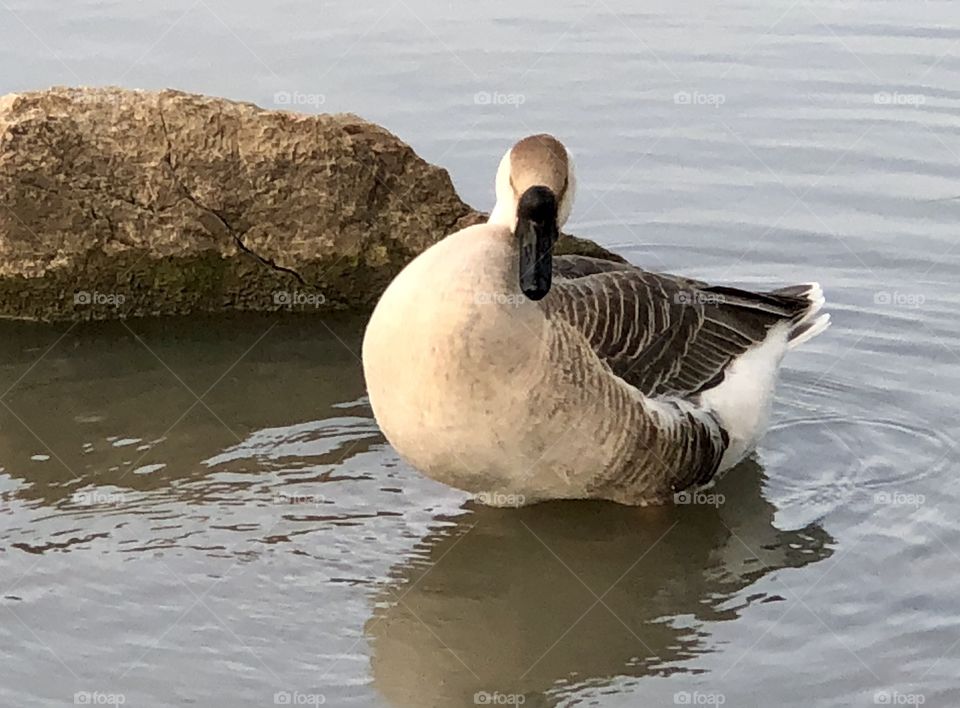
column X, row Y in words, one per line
column 537, row 231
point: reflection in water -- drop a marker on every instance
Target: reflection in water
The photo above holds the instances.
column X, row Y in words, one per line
column 137, row 406
column 539, row 600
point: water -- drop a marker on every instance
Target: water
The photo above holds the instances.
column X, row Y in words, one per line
column 265, row 539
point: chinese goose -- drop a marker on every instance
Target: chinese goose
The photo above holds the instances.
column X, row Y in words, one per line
column 519, row 376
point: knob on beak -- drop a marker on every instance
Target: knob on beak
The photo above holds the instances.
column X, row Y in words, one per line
column 537, row 232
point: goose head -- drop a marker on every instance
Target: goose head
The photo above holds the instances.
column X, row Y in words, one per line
column 535, row 188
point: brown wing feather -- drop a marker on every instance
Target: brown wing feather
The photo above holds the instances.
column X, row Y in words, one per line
column 664, row 334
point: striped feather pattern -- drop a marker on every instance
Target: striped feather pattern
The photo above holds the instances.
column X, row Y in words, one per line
column 663, row 334
column 670, row 339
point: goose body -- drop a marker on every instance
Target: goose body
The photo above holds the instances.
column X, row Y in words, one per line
column 593, row 379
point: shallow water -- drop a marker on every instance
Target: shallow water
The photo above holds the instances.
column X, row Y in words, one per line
column 264, row 539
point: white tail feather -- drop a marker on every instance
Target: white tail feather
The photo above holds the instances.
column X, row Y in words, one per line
column 809, row 326
column 817, row 300
column 811, row 330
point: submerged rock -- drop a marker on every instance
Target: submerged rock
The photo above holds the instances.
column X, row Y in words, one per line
column 126, row 203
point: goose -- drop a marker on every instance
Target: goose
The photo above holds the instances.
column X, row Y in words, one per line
column 498, row 368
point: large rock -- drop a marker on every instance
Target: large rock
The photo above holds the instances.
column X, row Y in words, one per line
column 117, row 203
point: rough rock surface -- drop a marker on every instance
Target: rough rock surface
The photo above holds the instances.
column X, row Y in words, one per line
column 124, row 203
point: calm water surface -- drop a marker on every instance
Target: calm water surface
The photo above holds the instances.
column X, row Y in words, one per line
column 203, row 512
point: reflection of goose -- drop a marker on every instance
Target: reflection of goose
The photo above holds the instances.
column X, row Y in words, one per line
column 487, row 605
column 611, row 383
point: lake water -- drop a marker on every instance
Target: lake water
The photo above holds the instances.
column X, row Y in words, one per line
column 202, row 512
